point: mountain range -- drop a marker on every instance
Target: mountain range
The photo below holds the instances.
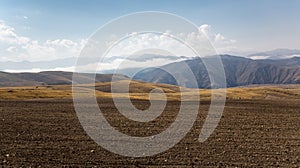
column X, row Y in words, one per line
column 52, row 78
column 69, row 62
column 276, row 54
column 239, row 71
column 72, row 61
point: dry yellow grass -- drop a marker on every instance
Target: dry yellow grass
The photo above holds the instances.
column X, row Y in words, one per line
column 265, row 92
column 32, row 92
column 140, row 90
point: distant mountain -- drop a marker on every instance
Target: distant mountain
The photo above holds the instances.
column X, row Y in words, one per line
column 145, row 57
column 239, row 71
column 27, row 65
column 290, row 62
column 125, row 71
column 276, row 54
column 51, row 78
column 71, row 61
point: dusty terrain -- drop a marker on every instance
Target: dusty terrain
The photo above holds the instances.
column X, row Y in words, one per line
column 252, row 133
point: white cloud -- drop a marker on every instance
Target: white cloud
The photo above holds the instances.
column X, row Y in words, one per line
column 201, row 41
column 22, row 17
column 259, row 57
column 137, row 42
column 8, row 35
column 11, row 49
column 221, row 43
column 14, row 47
column 69, row 69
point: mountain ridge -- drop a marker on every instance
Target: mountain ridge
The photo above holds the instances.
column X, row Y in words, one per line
column 239, row 71
column 51, row 78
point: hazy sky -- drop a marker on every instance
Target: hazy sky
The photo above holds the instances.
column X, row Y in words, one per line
column 61, row 26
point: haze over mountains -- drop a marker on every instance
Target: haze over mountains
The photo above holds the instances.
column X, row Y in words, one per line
column 69, row 63
column 239, row 71
column 142, row 60
column 275, row 54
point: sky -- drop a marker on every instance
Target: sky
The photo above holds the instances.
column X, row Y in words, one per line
column 35, row 30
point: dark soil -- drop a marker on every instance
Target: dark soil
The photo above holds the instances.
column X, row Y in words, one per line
column 251, row 133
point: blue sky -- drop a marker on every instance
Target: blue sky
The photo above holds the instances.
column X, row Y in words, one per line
column 255, row 25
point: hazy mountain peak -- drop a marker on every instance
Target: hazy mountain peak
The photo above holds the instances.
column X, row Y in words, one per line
column 276, row 54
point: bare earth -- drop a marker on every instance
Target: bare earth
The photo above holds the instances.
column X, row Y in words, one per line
column 251, row 133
